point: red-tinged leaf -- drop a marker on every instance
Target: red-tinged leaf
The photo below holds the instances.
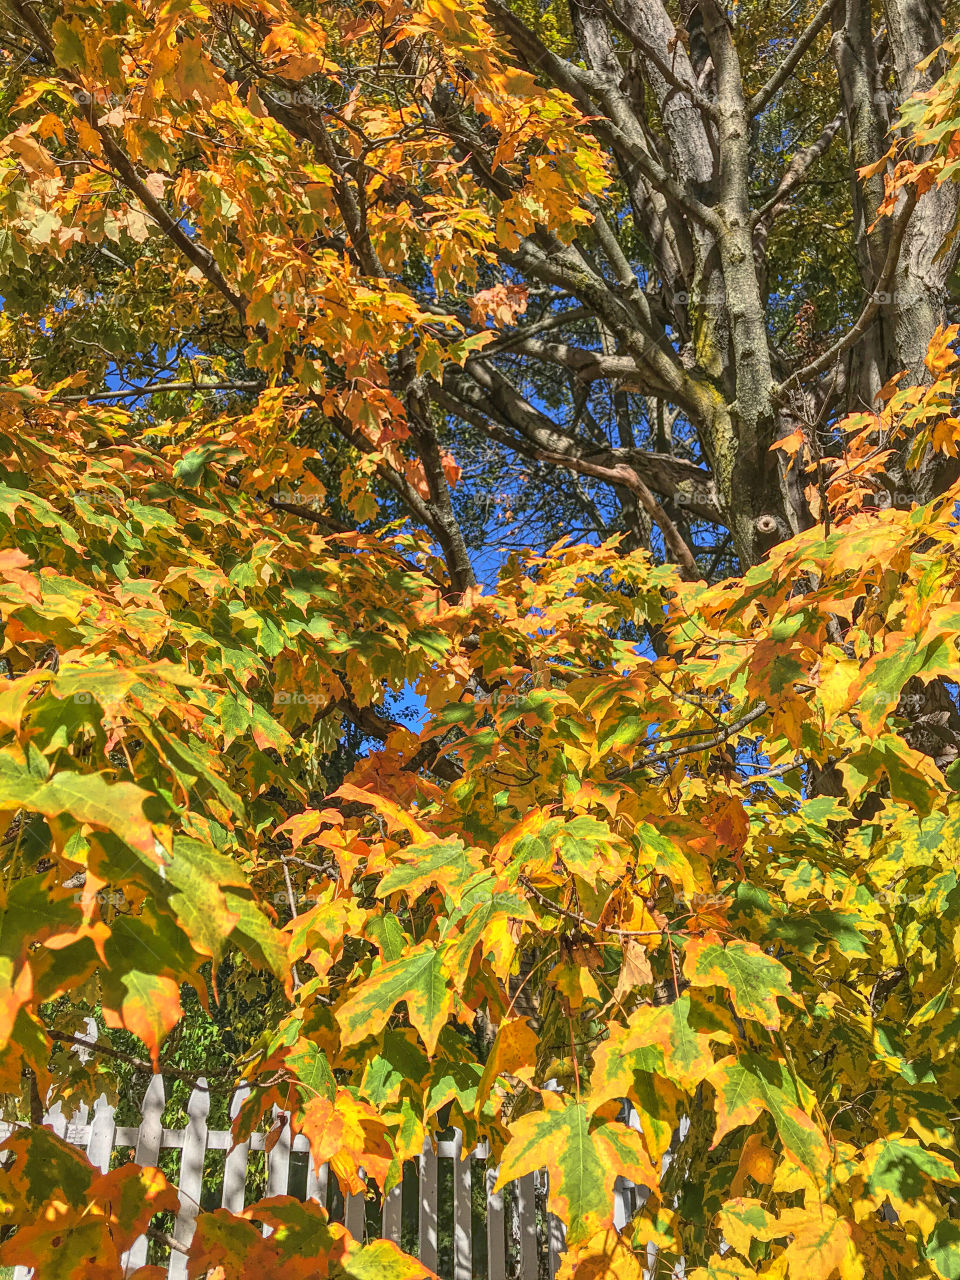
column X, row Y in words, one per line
column 150, row 1009
column 754, row 979
column 88, row 1219
column 43, row 1163
column 129, row 1196
column 304, row 825
column 81, row 1246
column 15, row 697
column 396, row 816
column 231, row 1247
column 349, row 1135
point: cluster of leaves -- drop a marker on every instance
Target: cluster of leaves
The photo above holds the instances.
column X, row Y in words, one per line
column 635, row 834
column 657, row 841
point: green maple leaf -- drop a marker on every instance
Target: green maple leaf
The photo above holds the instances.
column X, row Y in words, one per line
column 624, row 1070
column 754, row 979
column 379, row 1260
column 71, row 797
column 399, row 1064
column 68, row 47
column 420, row 978
column 446, row 864
column 902, row 1169
column 311, row 1067
column 749, row 1084
column 942, row 1249
column 583, row 1156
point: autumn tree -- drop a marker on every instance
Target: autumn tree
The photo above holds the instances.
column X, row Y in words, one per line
column 290, row 290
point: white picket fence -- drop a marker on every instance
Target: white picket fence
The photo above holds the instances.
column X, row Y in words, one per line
column 514, row 1245
column 522, row 1241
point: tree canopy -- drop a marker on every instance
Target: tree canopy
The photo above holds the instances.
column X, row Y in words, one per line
column 480, row 589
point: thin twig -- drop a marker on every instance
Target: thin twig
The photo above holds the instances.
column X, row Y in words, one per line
column 164, row 1237
column 141, row 1064
column 292, row 899
column 658, row 757
column 583, row 921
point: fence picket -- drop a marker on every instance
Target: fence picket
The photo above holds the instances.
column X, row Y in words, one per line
column 102, row 1131
column 355, row 1214
column 555, row 1243
column 527, row 1219
column 147, row 1153
column 496, row 1237
column 393, row 1213
column 191, row 1176
column 278, row 1158
column 235, row 1165
column 428, row 1206
column 317, row 1182
column 462, row 1242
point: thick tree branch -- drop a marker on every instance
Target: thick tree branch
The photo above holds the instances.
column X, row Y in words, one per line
column 797, row 170
column 628, row 478
column 626, row 16
column 158, row 389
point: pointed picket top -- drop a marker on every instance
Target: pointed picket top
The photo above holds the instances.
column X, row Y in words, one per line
column 278, row 1157
column 102, row 1131
column 198, row 1106
column 151, row 1124
column 240, row 1095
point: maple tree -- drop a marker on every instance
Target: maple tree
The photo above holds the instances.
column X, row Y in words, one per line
column 686, row 843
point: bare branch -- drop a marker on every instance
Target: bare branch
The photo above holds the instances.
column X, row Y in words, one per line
column 628, row 478
column 158, row 388
column 866, row 316
column 779, row 78
column 714, row 740
column 797, row 170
